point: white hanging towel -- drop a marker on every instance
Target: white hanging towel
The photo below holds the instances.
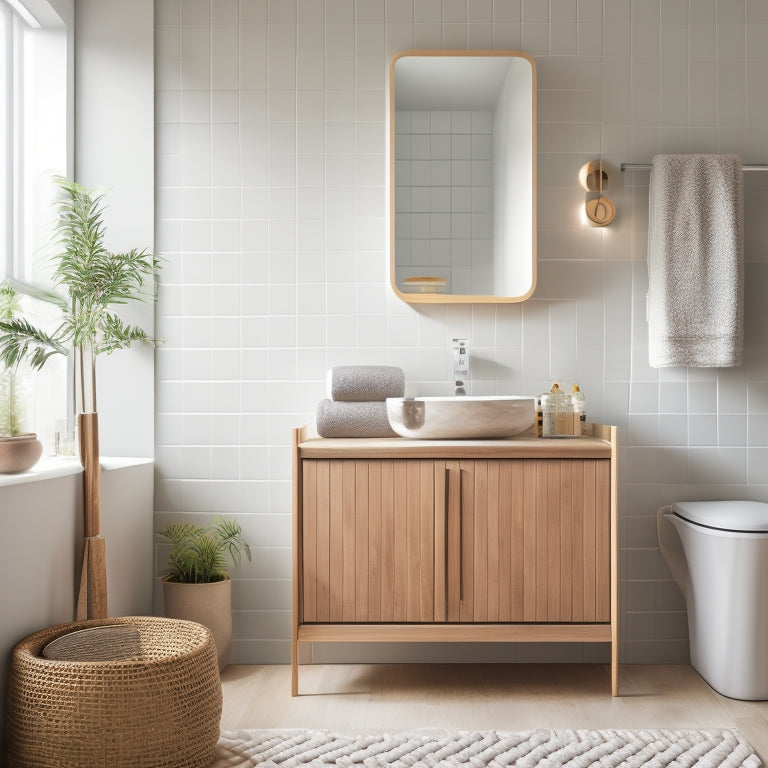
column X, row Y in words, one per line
column 696, row 261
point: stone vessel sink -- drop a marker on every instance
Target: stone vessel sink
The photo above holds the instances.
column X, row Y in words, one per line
column 459, row 418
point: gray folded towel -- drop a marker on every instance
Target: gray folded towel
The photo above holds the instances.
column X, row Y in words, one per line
column 696, row 261
column 353, row 419
column 365, row 383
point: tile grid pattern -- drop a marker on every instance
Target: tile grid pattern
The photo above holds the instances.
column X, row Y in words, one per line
column 271, row 215
column 444, row 199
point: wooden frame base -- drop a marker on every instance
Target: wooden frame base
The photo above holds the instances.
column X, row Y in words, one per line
column 454, row 633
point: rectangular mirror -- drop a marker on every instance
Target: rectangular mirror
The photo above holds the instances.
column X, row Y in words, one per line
column 462, row 176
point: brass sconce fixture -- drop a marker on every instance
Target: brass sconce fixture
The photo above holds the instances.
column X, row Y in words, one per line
column 600, row 210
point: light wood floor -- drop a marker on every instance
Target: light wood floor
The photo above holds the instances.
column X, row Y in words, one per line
column 358, row 698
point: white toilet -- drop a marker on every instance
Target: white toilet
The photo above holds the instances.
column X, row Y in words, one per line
column 718, row 554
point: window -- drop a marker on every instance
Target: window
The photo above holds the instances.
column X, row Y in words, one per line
column 35, row 93
column 33, row 136
column 6, row 147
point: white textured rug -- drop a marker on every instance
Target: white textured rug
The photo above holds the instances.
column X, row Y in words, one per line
column 478, row 749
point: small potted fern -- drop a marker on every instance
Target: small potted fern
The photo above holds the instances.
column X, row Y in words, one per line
column 19, row 450
column 198, row 586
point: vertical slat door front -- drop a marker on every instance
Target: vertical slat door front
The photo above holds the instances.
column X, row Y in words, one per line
column 534, row 538
column 489, row 540
column 368, row 530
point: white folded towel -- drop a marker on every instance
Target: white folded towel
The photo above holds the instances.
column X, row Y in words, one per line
column 695, row 261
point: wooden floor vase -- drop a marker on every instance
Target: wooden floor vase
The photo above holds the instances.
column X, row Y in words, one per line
column 92, row 597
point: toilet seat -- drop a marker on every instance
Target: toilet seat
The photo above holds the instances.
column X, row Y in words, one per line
column 739, row 516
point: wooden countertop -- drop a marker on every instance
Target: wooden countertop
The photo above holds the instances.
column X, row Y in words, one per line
column 524, row 446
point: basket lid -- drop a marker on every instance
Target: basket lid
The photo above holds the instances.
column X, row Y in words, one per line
column 112, row 642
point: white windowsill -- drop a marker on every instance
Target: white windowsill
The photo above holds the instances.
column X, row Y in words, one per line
column 50, row 467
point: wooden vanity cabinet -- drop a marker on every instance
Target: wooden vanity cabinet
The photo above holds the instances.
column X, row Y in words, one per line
column 407, row 541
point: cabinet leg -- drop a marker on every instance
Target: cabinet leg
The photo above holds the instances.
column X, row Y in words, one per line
column 614, row 669
column 294, row 668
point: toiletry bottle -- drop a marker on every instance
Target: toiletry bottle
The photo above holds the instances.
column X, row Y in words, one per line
column 579, row 403
column 555, row 406
column 565, row 416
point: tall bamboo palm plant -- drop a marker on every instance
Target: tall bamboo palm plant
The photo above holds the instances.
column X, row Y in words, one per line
column 89, row 281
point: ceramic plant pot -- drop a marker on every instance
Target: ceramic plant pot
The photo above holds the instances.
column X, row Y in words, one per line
column 207, row 604
column 19, row 453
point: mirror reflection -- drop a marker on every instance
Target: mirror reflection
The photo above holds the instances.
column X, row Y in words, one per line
column 462, row 176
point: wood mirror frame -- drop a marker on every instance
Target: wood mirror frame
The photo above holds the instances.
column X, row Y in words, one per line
column 471, row 96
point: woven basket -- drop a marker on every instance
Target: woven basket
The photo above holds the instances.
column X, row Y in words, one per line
column 160, row 711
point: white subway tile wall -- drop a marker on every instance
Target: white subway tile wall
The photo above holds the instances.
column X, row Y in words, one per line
column 272, row 144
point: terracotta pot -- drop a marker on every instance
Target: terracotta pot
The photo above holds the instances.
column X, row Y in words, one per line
column 207, row 604
column 19, row 453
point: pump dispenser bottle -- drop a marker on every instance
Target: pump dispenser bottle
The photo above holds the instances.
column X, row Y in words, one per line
column 579, row 404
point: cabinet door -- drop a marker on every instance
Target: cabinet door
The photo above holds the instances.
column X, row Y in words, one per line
column 529, row 540
column 368, row 538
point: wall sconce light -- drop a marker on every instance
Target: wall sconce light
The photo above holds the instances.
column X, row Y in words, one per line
column 600, row 210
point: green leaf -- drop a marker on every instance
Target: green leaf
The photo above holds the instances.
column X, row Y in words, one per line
column 36, row 292
column 20, row 340
column 200, row 554
column 89, row 281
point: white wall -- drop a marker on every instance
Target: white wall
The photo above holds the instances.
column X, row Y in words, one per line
column 271, row 211
column 513, row 179
column 114, row 148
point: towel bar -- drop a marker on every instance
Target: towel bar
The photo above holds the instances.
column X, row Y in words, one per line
column 648, row 166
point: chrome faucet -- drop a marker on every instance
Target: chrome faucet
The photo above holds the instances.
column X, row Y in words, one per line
column 460, row 366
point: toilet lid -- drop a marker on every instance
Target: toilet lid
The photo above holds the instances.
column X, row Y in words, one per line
column 747, row 516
